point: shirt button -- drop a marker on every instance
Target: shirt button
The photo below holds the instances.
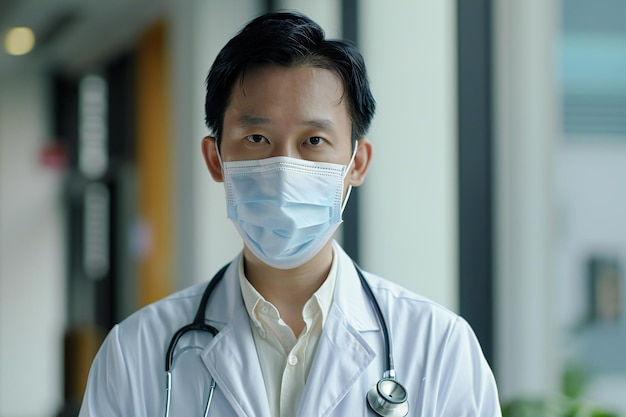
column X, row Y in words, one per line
column 264, row 309
column 262, row 333
column 293, row 360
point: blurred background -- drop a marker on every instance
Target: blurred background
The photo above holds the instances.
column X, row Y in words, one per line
column 498, row 185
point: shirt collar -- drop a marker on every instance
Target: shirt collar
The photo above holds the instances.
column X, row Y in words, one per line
column 323, row 296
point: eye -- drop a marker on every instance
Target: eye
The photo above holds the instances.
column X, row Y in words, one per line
column 315, row 141
column 256, row 139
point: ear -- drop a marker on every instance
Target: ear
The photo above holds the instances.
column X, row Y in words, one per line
column 361, row 163
column 211, row 158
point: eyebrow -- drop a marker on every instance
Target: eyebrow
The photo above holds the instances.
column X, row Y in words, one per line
column 323, row 124
column 252, row 121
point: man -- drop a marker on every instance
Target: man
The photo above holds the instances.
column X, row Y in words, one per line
column 302, row 331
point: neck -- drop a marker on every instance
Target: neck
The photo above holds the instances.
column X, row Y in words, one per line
column 289, row 289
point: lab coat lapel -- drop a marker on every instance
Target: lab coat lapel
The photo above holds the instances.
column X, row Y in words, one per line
column 343, row 354
column 232, row 358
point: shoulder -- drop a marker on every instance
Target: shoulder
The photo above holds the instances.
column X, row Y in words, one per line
column 386, row 292
column 170, row 312
column 133, row 355
column 424, row 330
column 139, row 342
column 397, row 298
column 416, row 320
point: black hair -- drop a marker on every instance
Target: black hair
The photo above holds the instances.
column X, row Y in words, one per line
column 288, row 39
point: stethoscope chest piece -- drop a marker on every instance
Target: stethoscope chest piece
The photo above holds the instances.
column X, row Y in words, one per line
column 388, row 398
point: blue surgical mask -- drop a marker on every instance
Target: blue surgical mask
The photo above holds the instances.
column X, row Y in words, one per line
column 285, row 209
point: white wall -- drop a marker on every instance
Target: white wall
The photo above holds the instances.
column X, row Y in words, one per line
column 409, row 202
column 32, row 255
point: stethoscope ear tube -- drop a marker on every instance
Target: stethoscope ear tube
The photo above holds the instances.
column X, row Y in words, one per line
column 388, row 398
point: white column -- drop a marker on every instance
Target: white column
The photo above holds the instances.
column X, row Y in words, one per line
column 526, row 130
column 199, row 29
column 409, row 200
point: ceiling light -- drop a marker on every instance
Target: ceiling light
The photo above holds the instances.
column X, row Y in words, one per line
column 19, row 41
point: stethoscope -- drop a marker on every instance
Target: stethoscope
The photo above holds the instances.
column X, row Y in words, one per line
column 388, row 398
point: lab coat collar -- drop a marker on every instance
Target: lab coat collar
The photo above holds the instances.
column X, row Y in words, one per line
column 232, row 358
column 349, row 297
column 342, row 354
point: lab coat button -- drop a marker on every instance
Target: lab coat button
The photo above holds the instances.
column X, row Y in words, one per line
column 293, row 360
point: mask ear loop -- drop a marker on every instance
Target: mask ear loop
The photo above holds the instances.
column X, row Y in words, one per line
column 219, row 155
column 349, row 190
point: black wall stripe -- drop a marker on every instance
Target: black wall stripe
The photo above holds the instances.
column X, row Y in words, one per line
column 475, row 168
column 349, row 24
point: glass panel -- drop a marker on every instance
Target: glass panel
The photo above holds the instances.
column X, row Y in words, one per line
column 591, row 186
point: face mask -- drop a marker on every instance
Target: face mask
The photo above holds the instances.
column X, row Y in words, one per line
column 285, row 209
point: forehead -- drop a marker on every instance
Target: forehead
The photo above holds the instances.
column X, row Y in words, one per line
column 295, row 85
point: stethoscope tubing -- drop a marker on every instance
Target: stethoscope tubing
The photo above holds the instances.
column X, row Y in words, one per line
column 198, row 323
column 389, row 366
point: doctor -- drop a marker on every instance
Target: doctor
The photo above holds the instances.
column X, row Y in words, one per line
column 299, row 329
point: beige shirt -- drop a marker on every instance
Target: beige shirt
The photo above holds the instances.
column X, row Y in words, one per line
column 286, row 359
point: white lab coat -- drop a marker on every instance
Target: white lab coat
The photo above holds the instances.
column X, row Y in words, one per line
column 437, row 357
